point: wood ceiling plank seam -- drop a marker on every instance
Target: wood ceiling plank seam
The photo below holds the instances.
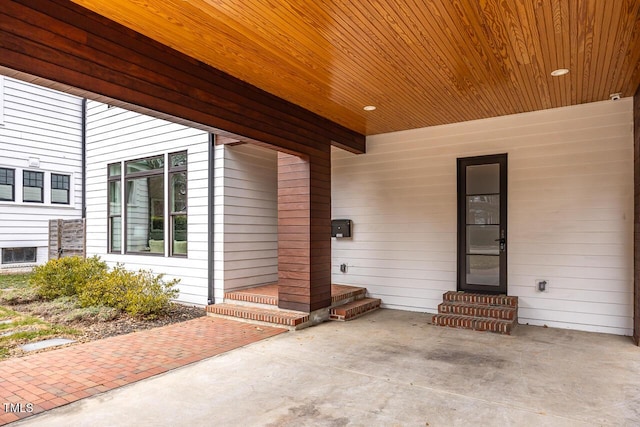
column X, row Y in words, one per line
column 619, row 45
column 397, row 52
column 355, row 86
column 506, row 94
column 550, row 43
column 442, row 39
column 295, row 56
column 502, row 98
column 566, row 52
column 615, row 44
column 495, row 31
column 280, row 70
column 632, row 60
column 297, row 40
column 552, row 20
column 448, row 20
column 119, row 77
column 376, row 46
column 587, row 46
column 597, row 58
column 531, row 36
column 278, row 63
column 203, row 79
column 433, row 51
column 346, row 48
column 528, row 92
column 531, row 69
column 625, row 45
column 529, row 18
column 433, row 56
column 576, row 49
column 502, row 62
column 602, row 33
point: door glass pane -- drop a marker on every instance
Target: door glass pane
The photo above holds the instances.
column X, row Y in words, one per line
column 483, row 209
column 481, row 239
column 483, row 179
column 483, row 270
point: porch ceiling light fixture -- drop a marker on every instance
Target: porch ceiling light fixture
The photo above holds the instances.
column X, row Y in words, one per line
column 369, row 107
column 559, row 72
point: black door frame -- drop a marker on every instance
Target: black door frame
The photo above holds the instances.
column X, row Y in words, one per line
column 462, row 163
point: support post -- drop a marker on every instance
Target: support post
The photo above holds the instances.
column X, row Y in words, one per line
column 304, row 231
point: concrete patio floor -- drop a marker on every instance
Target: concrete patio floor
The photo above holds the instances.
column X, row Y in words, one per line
column 389, row 368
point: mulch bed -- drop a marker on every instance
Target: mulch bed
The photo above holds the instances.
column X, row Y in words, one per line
column 125, row 324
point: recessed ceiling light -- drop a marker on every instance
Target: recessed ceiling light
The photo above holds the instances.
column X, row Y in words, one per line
column 559, row 72
column 369, row 108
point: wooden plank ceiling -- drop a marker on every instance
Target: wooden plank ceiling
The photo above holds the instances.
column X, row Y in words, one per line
column 421, row 63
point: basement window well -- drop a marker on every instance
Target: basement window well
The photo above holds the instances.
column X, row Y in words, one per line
column 18, row 255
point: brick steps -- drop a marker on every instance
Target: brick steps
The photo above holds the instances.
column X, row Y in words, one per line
column 479, row 312
column 354, row 309
column 475, row 310
column 341, row 294
column 474, row 323
column 257, row 314
column 251, row 298
column 480, row 299
column 260, row 305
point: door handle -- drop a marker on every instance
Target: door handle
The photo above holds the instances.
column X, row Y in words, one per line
column 503, row 242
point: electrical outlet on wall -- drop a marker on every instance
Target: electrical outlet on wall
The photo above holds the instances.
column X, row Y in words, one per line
column 542, row 285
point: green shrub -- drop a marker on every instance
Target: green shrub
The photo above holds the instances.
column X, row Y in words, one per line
column 139, row 294
column 66, row 276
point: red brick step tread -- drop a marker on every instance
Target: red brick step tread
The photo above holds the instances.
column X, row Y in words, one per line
column 276, row 317
column 474, row 323
column 251, row 297
column 354, row 309
column 484, row 299
column 478, row 310
column 343, row 292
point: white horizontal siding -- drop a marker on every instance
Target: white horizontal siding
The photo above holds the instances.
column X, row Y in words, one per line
column 570, row 213
column 246, row 217
column 115, row 135
column 43, row 124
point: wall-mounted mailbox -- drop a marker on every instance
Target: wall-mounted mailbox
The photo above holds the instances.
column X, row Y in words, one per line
column 341, row 228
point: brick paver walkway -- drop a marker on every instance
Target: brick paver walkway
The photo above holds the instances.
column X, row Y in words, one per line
column 43, row 381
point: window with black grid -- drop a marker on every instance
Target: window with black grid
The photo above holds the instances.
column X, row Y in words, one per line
column 33, row 186
column 60, row 188
column 7, row 184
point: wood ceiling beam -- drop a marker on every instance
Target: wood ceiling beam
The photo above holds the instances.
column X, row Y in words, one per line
column 63, row 42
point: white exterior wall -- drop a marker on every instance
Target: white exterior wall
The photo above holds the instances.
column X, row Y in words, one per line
column 246, row 223
column 46, row 126
column 115, row 135
column 570, row 213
